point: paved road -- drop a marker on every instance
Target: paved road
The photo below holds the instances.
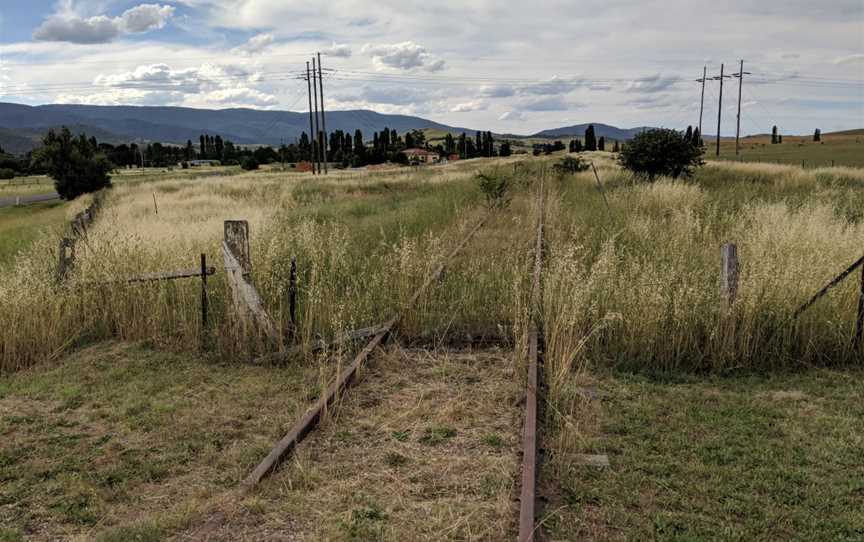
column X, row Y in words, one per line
column 11, row 200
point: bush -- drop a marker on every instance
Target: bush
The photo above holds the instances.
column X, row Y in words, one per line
column 495, row 188
column 249, row 164
column 75, row 163
column 6, row 174
column 660, row 152
column 570, row 164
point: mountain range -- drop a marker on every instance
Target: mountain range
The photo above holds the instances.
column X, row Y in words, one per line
column 22, row 126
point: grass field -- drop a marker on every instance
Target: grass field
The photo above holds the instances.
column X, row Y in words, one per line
column 21, row 226
column 845, row 149
column 702, row 407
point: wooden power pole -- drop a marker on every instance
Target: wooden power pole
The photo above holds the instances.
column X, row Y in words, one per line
column 720, row 106
column 311, row 121
column 702, row 100
column 316, row 136
column 740, row 75
column 323, row 119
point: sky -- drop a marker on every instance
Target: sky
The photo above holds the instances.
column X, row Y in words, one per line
column 501, row 65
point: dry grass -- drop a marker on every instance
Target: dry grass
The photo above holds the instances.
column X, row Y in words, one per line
column 424, row 448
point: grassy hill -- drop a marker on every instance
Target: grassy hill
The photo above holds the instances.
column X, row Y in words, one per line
column 839, row 149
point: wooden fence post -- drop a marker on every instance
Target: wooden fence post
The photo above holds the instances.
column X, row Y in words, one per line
column 67, row 258
column 292, row 293
column 237, row 239
column 859, row 324
column 729, row 273
column 204, row 292
column 238, row 267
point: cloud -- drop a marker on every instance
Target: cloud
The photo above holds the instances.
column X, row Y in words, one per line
column 511, row 116
column 549, row 103
column 69, row 27
column 552, row 86
column 466, row 107
column 497, row 91
column 386, row 94
column 857, row 58
column 403, row 56
column 255, row 45
column 337, row 50
column 653, row 83
column 160, row 84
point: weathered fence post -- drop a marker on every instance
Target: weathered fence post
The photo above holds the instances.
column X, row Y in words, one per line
column 729, row 273
column 67, row 258
column 237, row 239
column 859, row 324
column 204, row 293
column 292, row 293
column 238, row 268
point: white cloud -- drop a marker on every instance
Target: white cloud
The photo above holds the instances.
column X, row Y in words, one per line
column 255, row 45
column 338, row 50
column 511, row 116
column 160, row 84
column 549, row 103
column 553, row 86
column 497, row 91
column 653, row 83
column 403, row 56
column 68, row 26
column 466, row 107
column 857, row 58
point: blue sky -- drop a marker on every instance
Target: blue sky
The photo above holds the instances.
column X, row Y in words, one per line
column 490, row 64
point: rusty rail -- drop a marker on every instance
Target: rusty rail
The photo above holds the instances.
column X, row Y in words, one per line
column 311, row 418
column 528, row 495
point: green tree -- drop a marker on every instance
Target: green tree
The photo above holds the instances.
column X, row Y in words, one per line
column 75, row 163
column 660, row 151
column 505, row 149
column 817, row 136
column 590, row 139
column 616, row 147
column 601, row 144
column 774, row 135
column 697, row 138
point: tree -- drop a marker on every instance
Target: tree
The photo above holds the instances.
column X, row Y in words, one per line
column 616, row 147
column 774, row 135
column 817, row 135
column 590, row 139
column 689, row 133
column 601, row 144
column 75, row 163
column 697, row 138
column 658, row 152
column 249, row 163
column 359, row 146
column 505, row 149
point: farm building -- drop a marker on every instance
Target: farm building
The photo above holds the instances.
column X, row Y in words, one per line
column 421, row 155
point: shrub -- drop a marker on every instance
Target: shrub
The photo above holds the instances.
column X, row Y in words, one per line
column 6, row 174
column 660, row 152
column 75, row 163
column 249, row 164
column 570, row 164
column 495, row 188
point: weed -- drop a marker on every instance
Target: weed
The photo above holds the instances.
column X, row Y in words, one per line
column 434, row 436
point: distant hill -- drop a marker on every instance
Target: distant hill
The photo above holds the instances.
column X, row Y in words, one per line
column 600, row 130
column 115, row 124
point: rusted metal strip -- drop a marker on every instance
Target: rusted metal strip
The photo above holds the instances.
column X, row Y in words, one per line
column 837, row 280
column 528, row 495
column 309, row 420
column 529, row 447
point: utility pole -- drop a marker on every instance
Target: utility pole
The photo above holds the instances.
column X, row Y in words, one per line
column 323, row 118
column 311, row 123
column 740, row 75
column 316, row 136
column 702, row 100
column 720, row 106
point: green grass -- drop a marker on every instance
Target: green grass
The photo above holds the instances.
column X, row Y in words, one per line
column 117, row 431
column 841, row 150
column 20, row 226
column 751, row 457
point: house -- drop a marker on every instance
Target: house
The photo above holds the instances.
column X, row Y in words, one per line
column 421, row 155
